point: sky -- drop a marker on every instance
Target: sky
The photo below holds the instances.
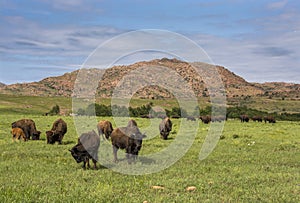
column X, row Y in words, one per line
column 258, row 40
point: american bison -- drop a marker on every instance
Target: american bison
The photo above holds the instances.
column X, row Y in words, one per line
column 205, row 119
column 105, row 129
column 18, row 133
column 28, row 126
column 128, row 138
column 269, row 119
column 257, row 118
column 57, row 132
column 244, row 118
column 86, row 149
column 165, row 127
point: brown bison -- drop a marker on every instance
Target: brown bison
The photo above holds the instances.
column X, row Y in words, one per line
column 165, row 127
column 269, row 119
column 57, row 132
column 131, row 123
column 86, row 149
column 28, row 126
column 105, row 128
column 244, row 118
column 205, row 119
column 128, row 138
column 257, row 118
column 18, row 133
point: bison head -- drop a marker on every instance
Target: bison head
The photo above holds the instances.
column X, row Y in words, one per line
column 36, row 135
column 50, row 137
column 76, row 155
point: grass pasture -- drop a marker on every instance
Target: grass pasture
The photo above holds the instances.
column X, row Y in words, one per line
column 253, row 162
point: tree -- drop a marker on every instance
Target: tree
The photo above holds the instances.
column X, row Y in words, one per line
column 55, row 110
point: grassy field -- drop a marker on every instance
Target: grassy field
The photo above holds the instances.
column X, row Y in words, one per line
column 253, row 162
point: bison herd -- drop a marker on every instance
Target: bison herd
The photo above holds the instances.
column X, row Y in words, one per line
column 246, row 118
column 128, row 138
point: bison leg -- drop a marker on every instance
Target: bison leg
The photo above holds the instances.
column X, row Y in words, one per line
column 88, row 163
column 60, row 137
column 115, row 150
column 128, row 157
column 94, row 161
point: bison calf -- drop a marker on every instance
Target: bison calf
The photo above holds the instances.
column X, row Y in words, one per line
column 128, row 138
column 105, row 128
column 57, row 132
column 18, row 133
column 86, row 149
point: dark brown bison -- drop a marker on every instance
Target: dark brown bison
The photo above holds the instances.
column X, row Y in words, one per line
column 18, row 133
column 205, row 119
column 105, row 129
column 57, row 132
column 131, row 123
column 128, row 138
column 191, row 118
column 86, row 149
column 244, row 118
column 269, row 119
column 257, row 118
column 165, row 127
column 28, row 126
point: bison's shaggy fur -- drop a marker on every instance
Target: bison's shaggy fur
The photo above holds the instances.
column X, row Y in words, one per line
column 18, row 133
column 57, row 132
column 105, row 128
column 86, row 149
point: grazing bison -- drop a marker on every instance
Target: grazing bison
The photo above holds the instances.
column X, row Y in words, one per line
column 165, row 128
column 105, row 128
column 86, row 149
column 56, row 134
column 244, row 118
column 131, row 123
column 18, row 133
column 257, row 118
column 269, row 119
column 205, row 119
column 28, row 126
column 191, row 118
column 128, row 138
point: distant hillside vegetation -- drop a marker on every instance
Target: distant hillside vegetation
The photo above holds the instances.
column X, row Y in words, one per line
column 2, row 84
column 235, row 86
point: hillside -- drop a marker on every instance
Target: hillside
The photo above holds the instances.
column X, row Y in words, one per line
column 235, row 86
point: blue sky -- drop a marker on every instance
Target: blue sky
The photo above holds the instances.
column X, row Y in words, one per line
column 258, row 40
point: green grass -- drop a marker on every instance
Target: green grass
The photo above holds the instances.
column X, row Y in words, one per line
column 259, row 164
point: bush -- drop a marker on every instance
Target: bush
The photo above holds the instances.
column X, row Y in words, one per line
column 55, row 110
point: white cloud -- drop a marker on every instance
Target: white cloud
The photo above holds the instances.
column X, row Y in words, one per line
column 277, row 5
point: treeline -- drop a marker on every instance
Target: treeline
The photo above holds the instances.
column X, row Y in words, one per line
column 176, row 112
column 235, row 112
column 122, row 111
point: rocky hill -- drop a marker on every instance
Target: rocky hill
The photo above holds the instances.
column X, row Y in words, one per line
column 235, row 86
